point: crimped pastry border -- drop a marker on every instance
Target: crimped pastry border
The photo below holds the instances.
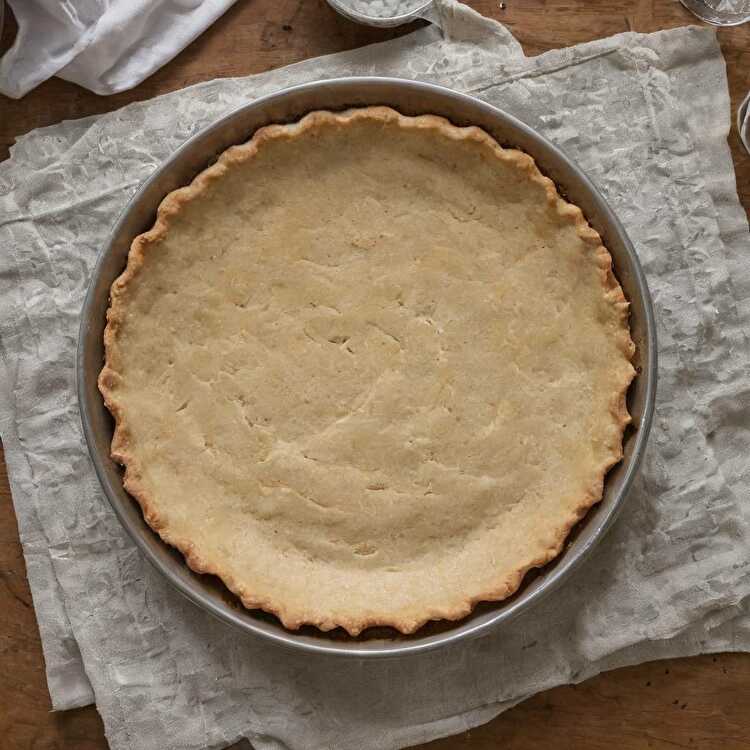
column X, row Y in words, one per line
column 110, row 376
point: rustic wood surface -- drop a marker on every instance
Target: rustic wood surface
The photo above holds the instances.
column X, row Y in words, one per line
column 700, row 703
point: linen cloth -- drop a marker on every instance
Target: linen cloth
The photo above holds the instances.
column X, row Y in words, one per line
column 103, row 45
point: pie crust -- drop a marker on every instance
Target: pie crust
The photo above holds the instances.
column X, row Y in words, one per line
column 368, row 369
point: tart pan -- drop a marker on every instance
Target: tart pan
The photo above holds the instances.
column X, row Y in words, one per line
column 411, row 98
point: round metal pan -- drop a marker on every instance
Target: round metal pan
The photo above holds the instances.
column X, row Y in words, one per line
column 411, row 98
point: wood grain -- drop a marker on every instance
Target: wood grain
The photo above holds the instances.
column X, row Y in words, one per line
column 701, row 703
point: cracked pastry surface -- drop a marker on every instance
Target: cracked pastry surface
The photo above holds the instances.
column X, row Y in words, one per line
column 368, row 369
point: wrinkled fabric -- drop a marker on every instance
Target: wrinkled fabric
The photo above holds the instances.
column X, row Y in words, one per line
column 646, row 116
column 103, row 45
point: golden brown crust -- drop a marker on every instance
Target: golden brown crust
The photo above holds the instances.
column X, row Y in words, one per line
column 172, row 205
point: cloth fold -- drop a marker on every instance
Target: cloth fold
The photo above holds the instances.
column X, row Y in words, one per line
column 103, row 45
column 646, row 116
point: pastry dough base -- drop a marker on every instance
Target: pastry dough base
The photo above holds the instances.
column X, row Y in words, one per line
column 368, row 369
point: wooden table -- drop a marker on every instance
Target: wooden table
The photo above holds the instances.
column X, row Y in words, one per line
column 702, row 702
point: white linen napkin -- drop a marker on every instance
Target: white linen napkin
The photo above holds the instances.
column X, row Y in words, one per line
column 646, row 115
column 103, row 45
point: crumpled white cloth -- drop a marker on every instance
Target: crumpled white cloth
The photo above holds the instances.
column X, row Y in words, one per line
column 646, row 116
column 103, row 45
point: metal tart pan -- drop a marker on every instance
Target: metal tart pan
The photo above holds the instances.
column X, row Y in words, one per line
column 410, row 98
